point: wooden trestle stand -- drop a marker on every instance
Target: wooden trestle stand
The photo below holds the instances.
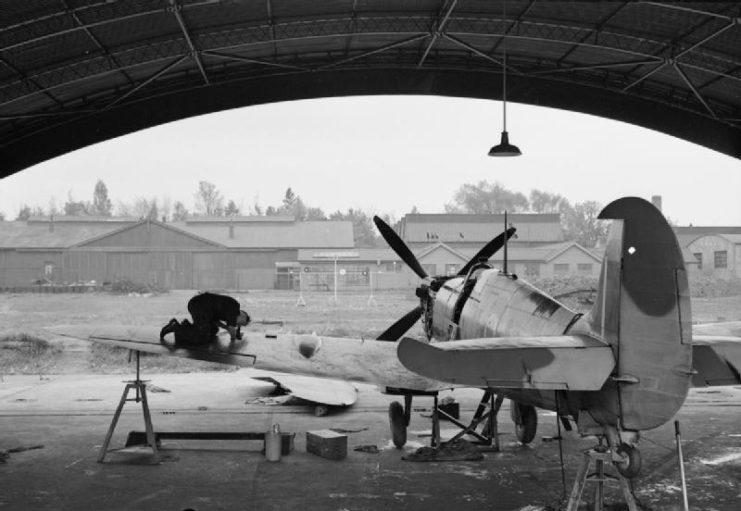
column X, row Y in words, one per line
column 140, row 388
column 600, row 457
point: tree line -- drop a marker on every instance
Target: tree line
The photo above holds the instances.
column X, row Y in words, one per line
column 579, row 221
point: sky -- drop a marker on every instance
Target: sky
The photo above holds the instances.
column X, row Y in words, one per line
column 388, row 154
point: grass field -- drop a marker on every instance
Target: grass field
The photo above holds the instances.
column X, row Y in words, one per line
column 25, row 347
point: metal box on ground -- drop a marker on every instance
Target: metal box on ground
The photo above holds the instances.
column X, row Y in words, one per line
column 452, row 409
column 327, row 444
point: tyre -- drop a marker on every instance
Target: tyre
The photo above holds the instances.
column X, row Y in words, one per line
column 398, row 424
column 630, row 464
column 526, row 422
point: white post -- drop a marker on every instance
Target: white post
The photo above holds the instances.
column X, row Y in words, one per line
column 335, row 279
column 301, row 300
column 371, row 298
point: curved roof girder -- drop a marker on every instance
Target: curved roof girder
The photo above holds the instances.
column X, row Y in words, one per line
column 87, row 71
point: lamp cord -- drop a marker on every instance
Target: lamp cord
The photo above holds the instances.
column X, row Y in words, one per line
column 504, row 66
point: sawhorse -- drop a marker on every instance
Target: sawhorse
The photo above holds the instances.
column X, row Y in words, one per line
column 486, row 413
column 599, row 457
column 140, row 388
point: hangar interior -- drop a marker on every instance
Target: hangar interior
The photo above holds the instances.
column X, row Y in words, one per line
column 77, row 72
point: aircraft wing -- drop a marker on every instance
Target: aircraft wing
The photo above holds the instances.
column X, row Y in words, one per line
column 336, row 358
column 567, row 362
column 716, row 354
column 317, row 390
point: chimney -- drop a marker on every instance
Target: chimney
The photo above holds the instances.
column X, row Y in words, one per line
column 231, row 229
column 51, row 223
column 656, row 201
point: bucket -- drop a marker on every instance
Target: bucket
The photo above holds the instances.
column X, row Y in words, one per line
column 273, row 441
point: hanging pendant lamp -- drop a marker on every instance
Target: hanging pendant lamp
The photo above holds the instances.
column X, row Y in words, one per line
column 504, row 148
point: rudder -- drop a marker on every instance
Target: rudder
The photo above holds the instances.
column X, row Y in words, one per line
column 643, row 311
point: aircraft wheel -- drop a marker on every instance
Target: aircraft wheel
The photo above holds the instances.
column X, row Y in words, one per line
column 398, row 424
column 526, row 421
column 630, row 464
column 321, row 410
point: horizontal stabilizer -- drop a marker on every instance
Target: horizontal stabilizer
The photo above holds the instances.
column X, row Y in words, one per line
column 566, row 362
column 716, row 360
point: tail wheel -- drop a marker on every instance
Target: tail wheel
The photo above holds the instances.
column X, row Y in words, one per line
column 526, row 421
column 398, row 423
column 630, row 463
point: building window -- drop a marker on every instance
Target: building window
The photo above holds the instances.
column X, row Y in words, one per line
column 698, row 256
column 430, row 269
column 561, row 268
column 584, row 268
column 394, row 267
column 48, row 270
column 721, row 258
column 532, row 269
column 451, row 269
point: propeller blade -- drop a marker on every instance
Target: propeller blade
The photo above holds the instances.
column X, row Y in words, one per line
column 395, row 331
column 487, row 251
column 398, row 246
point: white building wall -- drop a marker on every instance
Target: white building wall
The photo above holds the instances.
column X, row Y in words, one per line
column 707, row 246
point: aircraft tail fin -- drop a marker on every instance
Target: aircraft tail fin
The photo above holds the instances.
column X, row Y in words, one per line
column 643, row 312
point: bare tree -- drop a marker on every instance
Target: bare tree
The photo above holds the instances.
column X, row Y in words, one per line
column 209, row 201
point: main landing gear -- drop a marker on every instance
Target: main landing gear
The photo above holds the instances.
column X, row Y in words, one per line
column 526, row 421
column 524, row 416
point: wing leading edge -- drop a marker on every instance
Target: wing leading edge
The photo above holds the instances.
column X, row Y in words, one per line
column 550, row 363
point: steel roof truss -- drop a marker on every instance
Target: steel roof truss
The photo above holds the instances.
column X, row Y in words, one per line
column 248, row 60
column 594, row 32
column 638, row 80
column 175, row 8
column 373, row 52
column 436, row 31
column 689, row 83
column 146, row 82
column 605, row 65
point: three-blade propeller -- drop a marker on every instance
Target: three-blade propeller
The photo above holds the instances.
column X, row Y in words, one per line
column 400, row 327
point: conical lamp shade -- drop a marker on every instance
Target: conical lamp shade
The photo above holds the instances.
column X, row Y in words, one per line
column 505, row 148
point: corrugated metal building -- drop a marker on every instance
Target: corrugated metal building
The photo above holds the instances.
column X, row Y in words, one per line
column 238, row 253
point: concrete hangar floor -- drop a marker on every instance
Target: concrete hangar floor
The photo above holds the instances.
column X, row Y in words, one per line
column 53, row 428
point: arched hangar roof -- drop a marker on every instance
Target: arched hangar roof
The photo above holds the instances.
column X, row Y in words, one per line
column 76, row 72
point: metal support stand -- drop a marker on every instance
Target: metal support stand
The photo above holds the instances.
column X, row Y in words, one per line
column 486, row 413
column 435, row 437
column 599, row 477
column 140, row 388
column 680, row 457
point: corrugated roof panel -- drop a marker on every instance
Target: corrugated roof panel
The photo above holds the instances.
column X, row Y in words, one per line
column 38, row 235
column 323, row 234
